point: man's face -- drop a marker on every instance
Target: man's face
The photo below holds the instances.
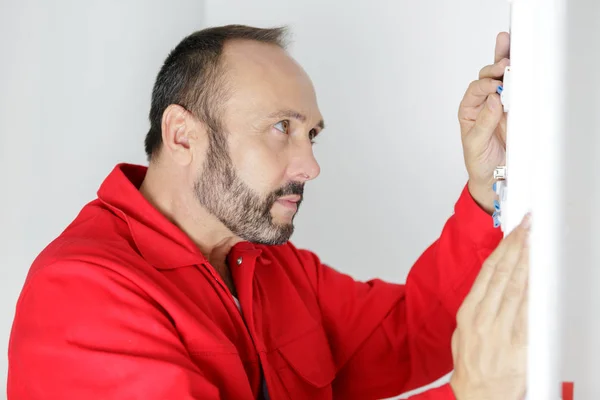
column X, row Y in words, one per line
column 253, row 174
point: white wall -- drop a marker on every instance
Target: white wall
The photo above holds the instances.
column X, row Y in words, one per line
column 75, row 84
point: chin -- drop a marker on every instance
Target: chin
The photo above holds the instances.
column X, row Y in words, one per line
column 281, row 222
column 281, row 234
column 271, row 234
column 283, row 217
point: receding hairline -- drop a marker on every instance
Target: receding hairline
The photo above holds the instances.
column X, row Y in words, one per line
column 202, row 94
column 216, row 75
column 236, row 52
column 241, row 51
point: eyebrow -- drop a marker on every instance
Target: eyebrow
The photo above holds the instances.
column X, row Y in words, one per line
column 291, row 114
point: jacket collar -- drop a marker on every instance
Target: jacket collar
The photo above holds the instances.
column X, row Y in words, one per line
column 160, row 242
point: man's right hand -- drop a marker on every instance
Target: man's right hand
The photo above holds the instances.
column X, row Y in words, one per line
column 489, row 345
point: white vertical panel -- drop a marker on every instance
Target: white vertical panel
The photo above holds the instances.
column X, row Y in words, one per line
column 534, row 170
column 547, row 183
column 521, row 118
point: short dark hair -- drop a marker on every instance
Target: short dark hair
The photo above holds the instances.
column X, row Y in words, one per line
column 192, row 76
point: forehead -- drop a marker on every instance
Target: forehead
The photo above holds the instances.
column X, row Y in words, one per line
column 263, row 77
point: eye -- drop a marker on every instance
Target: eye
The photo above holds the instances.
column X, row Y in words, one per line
column 283, row 126
column 312, row 135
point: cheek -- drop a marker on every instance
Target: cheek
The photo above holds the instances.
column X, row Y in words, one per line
column 260, row 166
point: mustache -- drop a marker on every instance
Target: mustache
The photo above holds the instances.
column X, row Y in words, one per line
column 291, row 188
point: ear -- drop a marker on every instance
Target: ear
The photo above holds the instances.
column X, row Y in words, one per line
column 181, row 133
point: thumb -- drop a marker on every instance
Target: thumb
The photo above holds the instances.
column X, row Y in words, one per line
column 488, row 119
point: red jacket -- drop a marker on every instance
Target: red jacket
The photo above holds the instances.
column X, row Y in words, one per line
column 122, row 305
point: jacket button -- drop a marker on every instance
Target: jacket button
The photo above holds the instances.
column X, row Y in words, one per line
column 239, row 261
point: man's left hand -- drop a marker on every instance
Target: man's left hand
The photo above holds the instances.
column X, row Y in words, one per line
column 483, row 127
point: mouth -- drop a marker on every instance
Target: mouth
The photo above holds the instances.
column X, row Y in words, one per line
column 294, row 198
column 290, row 202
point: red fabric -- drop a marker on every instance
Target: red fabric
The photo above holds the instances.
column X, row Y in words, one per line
column 123, row 306
column 567, row 390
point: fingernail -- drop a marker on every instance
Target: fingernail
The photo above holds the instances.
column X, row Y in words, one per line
column 491, row 103
column 526, row 223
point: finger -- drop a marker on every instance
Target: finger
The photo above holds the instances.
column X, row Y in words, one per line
column 490, row 303
column 502, row 130
column 502, row 49
column 494, row 71
column 487, row 121
column 521, row 325
column 478, row 91
column 468, row 115
column 480, row 286
column 515, row 290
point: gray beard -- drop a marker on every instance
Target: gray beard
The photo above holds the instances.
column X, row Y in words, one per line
column 243, row 211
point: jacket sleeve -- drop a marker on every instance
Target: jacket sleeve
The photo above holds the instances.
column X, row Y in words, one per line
column 388, row 339
column 84, row 332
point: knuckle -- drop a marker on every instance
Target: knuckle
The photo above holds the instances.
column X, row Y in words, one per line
column 499, row 68
column 461, row 110
column 496, row 283
column 505, row 266
column 485, row 71
column 502, row 273
column 487, row 86
column 479, row 85
column 482, row 71
column 513, row 290
column 473, row 85
column 493, row 70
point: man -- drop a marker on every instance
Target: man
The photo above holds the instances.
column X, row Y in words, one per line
column 179, row 282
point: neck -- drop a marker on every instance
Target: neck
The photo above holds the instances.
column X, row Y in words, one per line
column 162, row 188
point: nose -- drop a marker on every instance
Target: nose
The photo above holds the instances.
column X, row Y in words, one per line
column 304, row 166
